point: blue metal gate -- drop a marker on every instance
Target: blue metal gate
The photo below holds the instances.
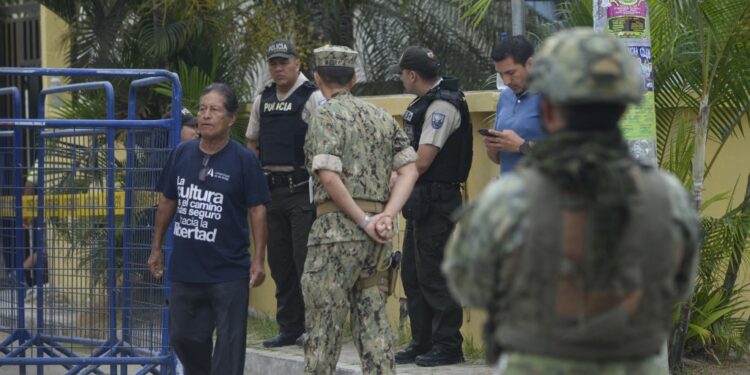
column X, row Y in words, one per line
column 75, row 232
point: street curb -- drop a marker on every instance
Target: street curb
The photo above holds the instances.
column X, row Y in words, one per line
column 263, row 362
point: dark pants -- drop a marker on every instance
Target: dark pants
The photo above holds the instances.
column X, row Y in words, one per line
column 9, row 247
column 40, row 267
column 290, row 216
column 435, row 317
column 195, row 310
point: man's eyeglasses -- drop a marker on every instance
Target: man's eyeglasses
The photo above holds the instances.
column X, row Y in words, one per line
column 204, row 171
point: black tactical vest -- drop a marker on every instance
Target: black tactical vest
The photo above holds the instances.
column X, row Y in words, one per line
column 282, row 131
column 453, row 162
column 558, row 304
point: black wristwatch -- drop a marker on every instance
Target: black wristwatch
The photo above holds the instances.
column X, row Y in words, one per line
column 525, row 147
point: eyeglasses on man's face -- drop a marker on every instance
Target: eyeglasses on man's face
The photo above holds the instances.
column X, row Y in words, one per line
column 204, row 171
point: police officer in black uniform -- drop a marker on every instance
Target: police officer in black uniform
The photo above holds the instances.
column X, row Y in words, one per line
column 276, row 133
column 439, row 127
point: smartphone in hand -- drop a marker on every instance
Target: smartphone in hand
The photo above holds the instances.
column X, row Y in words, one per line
column 485, row 132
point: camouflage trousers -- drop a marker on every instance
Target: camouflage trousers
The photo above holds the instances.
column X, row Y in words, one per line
column 331, row 270
column 530, row 364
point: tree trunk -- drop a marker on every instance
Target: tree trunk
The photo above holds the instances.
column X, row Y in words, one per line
column 345, row 25
column 679, row 335
column 332, row 21
column 318, row 17
column 699, row 156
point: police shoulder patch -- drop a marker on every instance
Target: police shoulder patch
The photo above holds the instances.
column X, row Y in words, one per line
column 438, row 119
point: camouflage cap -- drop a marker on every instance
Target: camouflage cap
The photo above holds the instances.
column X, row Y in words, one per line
column 335, row 56
column 582, row 66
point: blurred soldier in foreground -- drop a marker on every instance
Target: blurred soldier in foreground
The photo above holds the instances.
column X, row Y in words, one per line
column 351, row 149
column 579, row 255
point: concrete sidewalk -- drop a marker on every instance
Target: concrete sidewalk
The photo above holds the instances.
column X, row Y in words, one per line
column 289, row 360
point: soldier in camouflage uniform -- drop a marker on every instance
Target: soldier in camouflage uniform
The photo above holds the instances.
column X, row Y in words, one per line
column 581, row 253
column 351, row 148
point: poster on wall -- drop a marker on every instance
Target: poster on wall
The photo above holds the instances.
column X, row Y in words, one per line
column 628, row 21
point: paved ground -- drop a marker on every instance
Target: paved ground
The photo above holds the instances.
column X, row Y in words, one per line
column 289, row 360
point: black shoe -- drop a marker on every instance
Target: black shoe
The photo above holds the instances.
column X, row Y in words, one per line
column 301, row 340
column 410, row 353
column 438, row 356
column 282, row 339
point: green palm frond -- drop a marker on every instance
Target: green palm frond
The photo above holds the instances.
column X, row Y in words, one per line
column 96, row 30
column 716, row 323
column 576, row 13
column 386, row 28
column 92, row 105
column 701, row 50
column 193, row 80
column 163, row 40
column 474, row 10
column 677, row 150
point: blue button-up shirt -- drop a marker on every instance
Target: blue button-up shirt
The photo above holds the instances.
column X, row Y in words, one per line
column 520, row 113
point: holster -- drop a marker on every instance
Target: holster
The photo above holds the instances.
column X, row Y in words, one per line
column 393, row 271
column 387, row 273
column 292, row 180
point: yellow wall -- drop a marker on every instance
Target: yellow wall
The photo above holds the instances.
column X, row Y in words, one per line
column 54, row 48
column 52, row 31
column 730, row 168
column 730, row 171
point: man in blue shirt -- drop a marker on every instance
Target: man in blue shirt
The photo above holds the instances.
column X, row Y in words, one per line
column 517, row 123
column 209, row 186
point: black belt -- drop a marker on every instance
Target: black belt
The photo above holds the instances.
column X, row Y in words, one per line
column 438, row 190
column 291, row 180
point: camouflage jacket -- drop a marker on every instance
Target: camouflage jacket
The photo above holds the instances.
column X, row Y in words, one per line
column 363, row 144
column 492, row 227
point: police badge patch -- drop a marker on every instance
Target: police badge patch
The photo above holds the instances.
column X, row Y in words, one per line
column 438, row 119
